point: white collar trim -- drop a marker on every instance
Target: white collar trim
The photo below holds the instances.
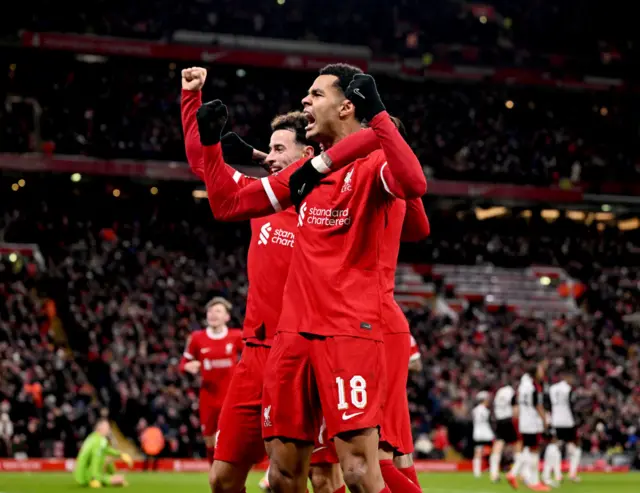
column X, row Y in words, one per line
column 217, row 336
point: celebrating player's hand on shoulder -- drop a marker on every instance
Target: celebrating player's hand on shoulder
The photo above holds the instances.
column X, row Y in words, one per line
column 193, row 78
column 212, row 117
column 192, row 367
column 363, row 93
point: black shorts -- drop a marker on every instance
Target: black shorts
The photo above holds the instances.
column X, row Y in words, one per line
column 567, row 434
column 482, row 443
column 531, row 440
column 506, row 431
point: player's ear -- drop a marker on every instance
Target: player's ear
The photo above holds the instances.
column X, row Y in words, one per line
column 347, row 109
column 308, row 152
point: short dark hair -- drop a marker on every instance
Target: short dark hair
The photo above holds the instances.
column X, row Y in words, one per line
column 400, row 126
column 343, row 71
column 295, row 121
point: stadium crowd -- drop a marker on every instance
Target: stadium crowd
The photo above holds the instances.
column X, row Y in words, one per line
column 475, row 132
column 498, row 31
column 130, row 281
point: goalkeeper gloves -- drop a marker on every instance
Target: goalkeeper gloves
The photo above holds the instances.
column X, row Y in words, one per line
column 363, row 93
column 127, row 459
column 94, row 483
column 211, row 117
column 235, row 150
column 303, row 180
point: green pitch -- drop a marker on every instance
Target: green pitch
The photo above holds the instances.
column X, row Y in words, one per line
column 197, row 483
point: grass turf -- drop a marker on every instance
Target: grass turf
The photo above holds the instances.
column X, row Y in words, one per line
column 197, row 483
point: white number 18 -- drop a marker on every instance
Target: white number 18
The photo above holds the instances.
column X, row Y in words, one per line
column 358, row 393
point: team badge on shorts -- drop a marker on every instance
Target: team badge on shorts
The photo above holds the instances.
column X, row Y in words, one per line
column 267, row 417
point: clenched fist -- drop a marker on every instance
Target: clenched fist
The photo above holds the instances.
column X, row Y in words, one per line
column 193, row 78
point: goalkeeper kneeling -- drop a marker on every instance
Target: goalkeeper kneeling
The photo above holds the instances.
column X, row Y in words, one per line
column 94, row 465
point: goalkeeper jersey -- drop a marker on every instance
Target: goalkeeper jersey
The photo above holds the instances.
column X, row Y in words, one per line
column 90, row 461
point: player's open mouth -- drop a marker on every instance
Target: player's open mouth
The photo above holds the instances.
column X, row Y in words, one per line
column 311, row 121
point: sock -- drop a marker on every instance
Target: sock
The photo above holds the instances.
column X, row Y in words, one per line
column 557, row 465
column 494, row 465
column 395, row 480
column 342, row 489
column 549, row 458
column 518, row 462
column 575, row 453
column 477, row 467
column 534, row 464
column 210, row 454
column 411, row 473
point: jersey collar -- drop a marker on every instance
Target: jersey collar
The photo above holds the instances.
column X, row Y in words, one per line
column 217, row 336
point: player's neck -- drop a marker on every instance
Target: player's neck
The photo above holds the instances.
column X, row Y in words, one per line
column 346, row 129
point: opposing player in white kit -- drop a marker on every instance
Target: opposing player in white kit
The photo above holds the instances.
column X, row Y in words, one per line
column 531, row 424
column 482, row 432
column 504, row 411
column 564, row 424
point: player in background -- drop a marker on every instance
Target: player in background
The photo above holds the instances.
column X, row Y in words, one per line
column 213, row 353
column 482, row 433
column 330, row 264
column 505, row 411
column 240, row 444
column 564, row 423
column 531, row 425
column 92, row 465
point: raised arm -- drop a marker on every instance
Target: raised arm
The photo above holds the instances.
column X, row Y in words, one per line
column 416, row 225
column 402, row 176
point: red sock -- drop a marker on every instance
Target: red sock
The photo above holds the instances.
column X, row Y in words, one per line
column 342, row 489
column 210, row 453
column 411, row 473
column 396, row 481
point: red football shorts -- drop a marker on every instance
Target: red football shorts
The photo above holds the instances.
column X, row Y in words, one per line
column 341, row 378
column 324, row 451
column 209, row 407
column 239, row 438
column 396, row 423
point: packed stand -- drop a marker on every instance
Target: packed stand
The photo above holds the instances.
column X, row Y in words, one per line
column 130, row 279
column 46, row 403
column 501, row 32
column 128, row 108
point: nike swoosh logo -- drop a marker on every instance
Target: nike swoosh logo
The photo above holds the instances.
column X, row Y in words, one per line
column 318, row 449
column 357, row 91
column 346, row 417
column 206, row 350
column 301, row 190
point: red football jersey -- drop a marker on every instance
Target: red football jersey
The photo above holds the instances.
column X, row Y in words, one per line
column 336, row 283
column 272, row 240
column 218, row 354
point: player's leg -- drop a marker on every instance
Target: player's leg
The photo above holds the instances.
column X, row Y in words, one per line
column 395, row 432
column 552, row 457
column 350, row 374
column 533, row 471
column 290, row 412
column 495, row 459
column 325, row 473
column 327, row 478
column 575, row 454
column 405, row 465
column 477, row 461
column 395, row 480
column 239, row 442
column 520, row 461
column 208, row 422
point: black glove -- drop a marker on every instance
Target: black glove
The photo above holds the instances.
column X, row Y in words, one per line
column 363, row 93
column 302, row 181
column 235, row 150
column 212, row 117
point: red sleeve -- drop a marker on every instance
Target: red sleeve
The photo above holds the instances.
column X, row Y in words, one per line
column 189, row 353
column 229, row 202
column 416, row 225
column 356, row 145
column 190, row 102
column 402, row 176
